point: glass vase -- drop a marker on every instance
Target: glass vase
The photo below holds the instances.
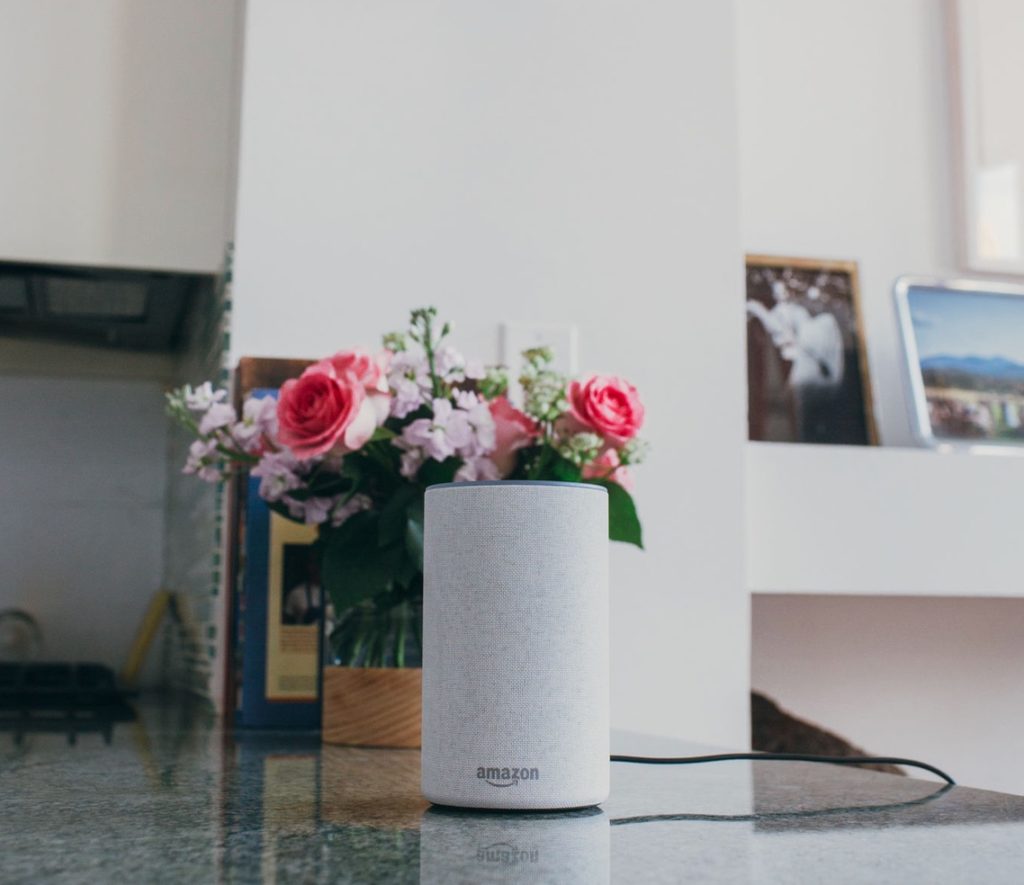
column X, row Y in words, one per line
column 372, row 635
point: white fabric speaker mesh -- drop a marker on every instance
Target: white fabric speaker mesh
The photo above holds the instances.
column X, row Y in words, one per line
column 515, row 645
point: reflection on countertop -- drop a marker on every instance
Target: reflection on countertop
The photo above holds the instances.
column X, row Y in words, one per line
column 172, row 797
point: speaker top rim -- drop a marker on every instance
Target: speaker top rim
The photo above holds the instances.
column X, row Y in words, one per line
column 517, row 482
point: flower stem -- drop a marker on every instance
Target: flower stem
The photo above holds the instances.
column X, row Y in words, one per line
column 541, row 462
column 400, row 637
column 428, row 349
column 236, row 455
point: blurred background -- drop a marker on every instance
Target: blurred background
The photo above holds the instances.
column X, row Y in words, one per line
column 185, row 184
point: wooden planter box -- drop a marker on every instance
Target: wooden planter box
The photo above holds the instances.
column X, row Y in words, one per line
column 372, row 706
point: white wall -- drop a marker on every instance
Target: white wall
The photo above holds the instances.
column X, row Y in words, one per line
column 118, row 118
column 929, row 678
column 82, row 472
column 556, row 162
column 845, row 152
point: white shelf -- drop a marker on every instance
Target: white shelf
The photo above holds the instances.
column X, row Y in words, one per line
column 878, row 521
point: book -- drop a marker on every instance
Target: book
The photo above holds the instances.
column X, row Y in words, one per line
column 277, row 618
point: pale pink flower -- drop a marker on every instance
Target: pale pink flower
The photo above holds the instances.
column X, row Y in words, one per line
column 465, row 399
column 340, row 513
column 409, row 380
column 475, row 469
column 442, row 435
column 312, row 511
column 217, row 416
column 204, row 396
column 203, row 460
column 372, row 372
column 259, row 420
column 513, row 430
column 278, row 475
column 412, row 458
column 478, row 414
column 450, row 364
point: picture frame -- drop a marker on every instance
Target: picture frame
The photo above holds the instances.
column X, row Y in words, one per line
column 807, row 368
column 963, row 343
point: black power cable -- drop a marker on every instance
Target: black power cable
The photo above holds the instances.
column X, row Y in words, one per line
column 785, row 757
column 763, row 816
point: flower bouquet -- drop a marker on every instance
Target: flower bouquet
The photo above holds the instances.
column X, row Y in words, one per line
column 352, row 444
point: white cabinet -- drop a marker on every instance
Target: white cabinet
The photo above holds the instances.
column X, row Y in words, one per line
column 888, row 599
column 118, row 121
column 883, row 521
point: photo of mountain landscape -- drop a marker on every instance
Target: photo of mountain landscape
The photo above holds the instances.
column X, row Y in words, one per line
column 970, row 348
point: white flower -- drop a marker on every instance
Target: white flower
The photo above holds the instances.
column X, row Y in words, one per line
column 204, row 396
column 217, row 416
column 277, row 472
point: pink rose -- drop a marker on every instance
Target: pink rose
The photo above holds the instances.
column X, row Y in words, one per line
column 607, row 405
column 512, row 431
column 609, row 466
column 322, row 411
column 372, row 372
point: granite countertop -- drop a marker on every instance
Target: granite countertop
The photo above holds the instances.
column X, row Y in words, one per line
column 173, row 798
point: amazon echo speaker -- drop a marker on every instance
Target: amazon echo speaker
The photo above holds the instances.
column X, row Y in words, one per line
column 515, row 645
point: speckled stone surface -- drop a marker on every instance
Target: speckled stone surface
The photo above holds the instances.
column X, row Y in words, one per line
column 171, row 798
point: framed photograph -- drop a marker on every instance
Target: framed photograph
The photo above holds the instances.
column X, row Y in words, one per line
column 807, row 370
column 964, row 346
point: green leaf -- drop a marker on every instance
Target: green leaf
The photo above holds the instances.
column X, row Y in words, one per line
column 392, row 515
column 434, row 472
column 351, row 469
column 282, row 510
column 398, row 424
column 405, row 568
column 324, row 485
column 374, row 469
column 382, row 433
column 623, row 523
column 354, row 567
column 564, row 470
